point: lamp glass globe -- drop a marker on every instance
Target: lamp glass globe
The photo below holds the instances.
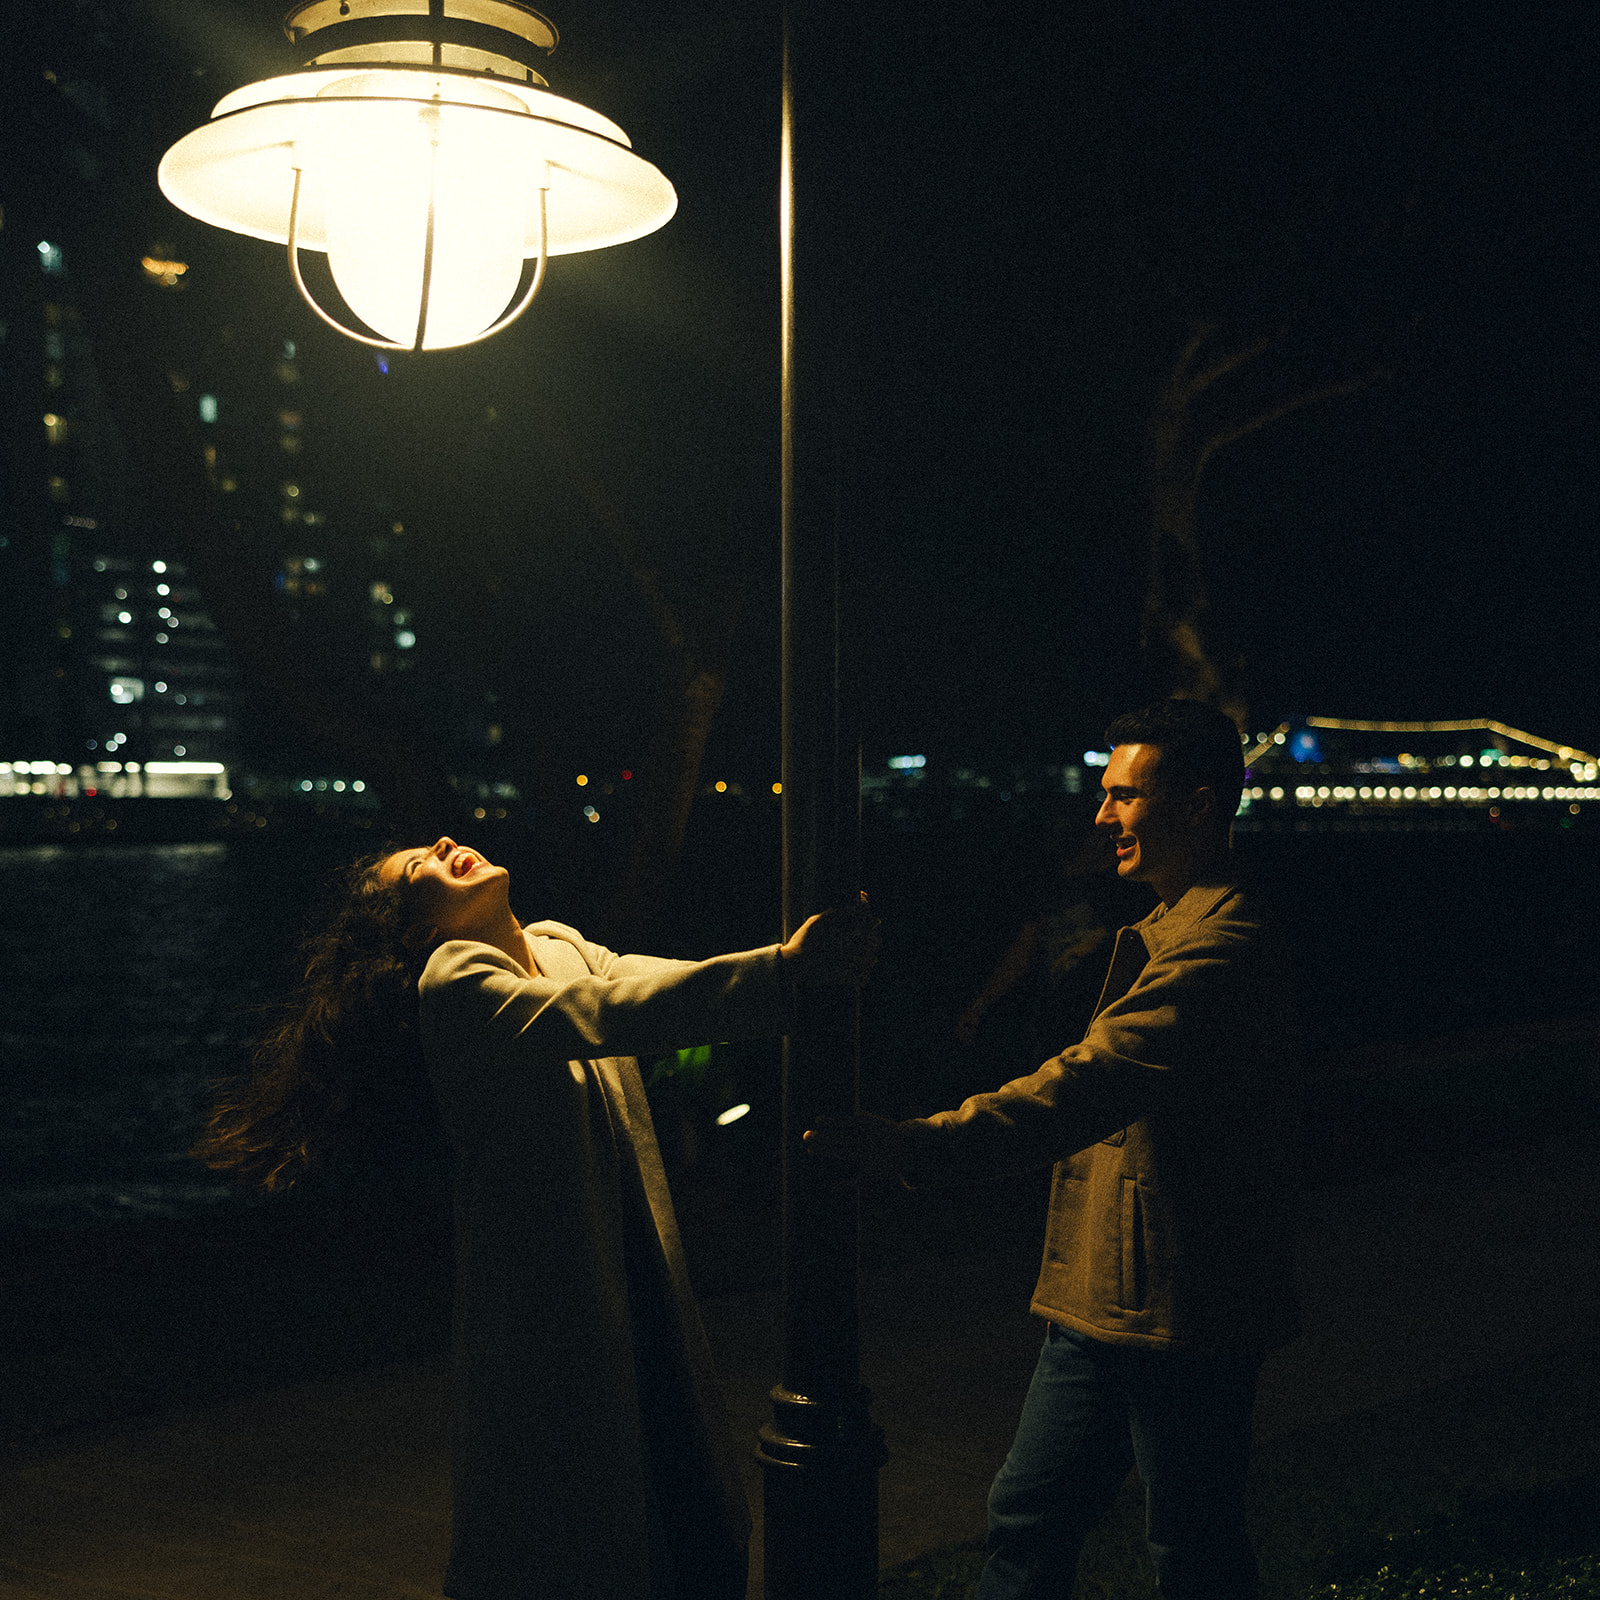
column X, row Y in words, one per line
column 377, row 175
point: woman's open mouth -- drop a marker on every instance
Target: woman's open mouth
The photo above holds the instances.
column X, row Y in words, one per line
column 462, row 863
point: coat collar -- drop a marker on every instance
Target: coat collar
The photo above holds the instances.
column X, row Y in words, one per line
column 1167, row 923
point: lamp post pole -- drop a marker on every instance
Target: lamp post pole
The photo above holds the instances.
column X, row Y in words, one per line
column 821, row 1452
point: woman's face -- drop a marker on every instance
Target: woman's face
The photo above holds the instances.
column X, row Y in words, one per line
column 453, row 891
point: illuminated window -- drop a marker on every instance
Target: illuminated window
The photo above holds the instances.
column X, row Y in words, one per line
column 124, row 691
column 208, row 408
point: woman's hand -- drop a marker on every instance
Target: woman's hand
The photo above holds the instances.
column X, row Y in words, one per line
column 968, row 1022
column 837, row 947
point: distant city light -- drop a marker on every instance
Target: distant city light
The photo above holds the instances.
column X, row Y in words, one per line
column 906, row 763
column 404, row 639
column 733, row 1113
column 124, row 691
column 777, row 788
column 583, row 779
column 1097, row 758
column 158, row 566
column 51, row 261
column 208, row 408
column 721, row 787
column 627, row 775
column 158, row 269
column 591, row 813
column 359, row 786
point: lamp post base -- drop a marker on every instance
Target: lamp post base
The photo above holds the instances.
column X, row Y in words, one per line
column 820, row 1498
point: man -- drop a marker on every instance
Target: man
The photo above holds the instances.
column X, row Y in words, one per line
column 1167, row 1271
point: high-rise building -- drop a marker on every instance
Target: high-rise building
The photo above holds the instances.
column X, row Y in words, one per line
column 111, row 670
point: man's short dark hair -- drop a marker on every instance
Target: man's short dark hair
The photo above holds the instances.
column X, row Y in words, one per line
column 1200, row 746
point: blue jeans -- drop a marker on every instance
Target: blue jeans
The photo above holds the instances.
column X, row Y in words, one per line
column 1093, row 1411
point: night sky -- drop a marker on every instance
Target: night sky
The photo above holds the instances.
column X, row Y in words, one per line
column 1050, row 199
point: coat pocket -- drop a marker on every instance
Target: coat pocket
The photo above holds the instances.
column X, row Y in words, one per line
column 1133, row 1287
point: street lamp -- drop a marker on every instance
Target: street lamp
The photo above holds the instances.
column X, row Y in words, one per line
column 421, row 151
column 427, row 158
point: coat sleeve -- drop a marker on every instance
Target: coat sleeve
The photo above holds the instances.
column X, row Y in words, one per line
column 620, row 1011
column 1153, row 1042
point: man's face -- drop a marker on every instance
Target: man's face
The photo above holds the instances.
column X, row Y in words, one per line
column 1156, row 833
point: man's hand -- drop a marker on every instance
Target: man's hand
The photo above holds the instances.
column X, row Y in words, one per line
column 874, row 1146
column 837, row 947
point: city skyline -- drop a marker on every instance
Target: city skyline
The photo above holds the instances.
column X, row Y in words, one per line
column 1418, row 546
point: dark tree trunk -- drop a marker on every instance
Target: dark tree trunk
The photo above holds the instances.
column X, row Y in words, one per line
column 1185, row 655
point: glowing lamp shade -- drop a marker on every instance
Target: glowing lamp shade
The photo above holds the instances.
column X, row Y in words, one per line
column 428, row 189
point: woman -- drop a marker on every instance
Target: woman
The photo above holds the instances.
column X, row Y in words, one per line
column 591, row 1456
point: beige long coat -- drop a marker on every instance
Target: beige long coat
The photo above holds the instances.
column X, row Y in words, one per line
column 1173, row 1130
column 563, row 1218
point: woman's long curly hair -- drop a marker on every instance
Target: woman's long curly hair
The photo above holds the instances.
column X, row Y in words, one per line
column 342, row 1057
